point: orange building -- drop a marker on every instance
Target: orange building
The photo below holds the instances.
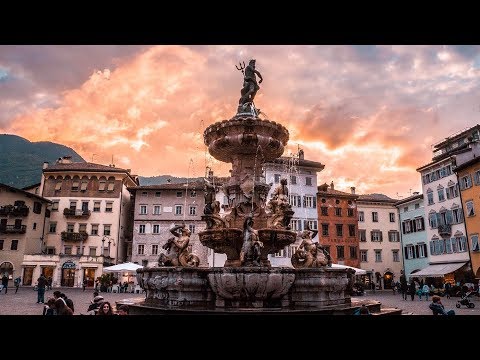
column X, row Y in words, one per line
column 337, row 224
column 468, row 175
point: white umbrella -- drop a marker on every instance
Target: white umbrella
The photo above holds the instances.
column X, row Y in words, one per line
column 357, row 270
column 125, row 267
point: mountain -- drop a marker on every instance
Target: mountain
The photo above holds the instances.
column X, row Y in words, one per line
column 21, row 161
column 162, row 179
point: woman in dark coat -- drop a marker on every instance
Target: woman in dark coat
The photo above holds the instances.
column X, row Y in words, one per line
column 411, row 289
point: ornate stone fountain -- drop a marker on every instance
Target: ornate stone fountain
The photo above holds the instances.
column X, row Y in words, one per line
column 251, row 229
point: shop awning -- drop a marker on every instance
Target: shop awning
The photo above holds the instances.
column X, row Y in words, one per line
column 438, row 270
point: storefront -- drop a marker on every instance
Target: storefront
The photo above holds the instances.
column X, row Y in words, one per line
column 89, row 275
column 28, row 275
column 7, row 267
column 68, row 274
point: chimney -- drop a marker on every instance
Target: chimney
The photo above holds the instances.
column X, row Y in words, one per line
column 169, row 181
column 352, row 188
column 416, row 193
column 45, row 164
column 65, row 160
column 301, row 155
column 129, row 170
column 331, row 186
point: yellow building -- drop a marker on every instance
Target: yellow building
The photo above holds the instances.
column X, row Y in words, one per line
column 469, row 181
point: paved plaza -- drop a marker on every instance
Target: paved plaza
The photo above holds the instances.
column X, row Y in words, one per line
column 24, row 302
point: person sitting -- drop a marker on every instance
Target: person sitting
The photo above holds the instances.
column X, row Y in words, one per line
column 437, row 307
column 123, row 310
column 93, row 307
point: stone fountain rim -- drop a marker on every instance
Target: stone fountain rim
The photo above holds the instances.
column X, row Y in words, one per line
column 243, row 269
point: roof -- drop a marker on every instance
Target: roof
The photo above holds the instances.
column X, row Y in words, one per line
column 408, row 199
column 438, row 270
column 298, row 162
column 423, row 167
column 456, row 136
column 467, row 164
column 31, row 186
column 83, row 166
column 26, row 193
column 333, row 192
column 376, row 198
column 171, row 186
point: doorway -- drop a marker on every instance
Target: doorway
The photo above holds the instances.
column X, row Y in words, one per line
column 68, row 277
column 89, row 275
column 387, row 280
column 28, row 275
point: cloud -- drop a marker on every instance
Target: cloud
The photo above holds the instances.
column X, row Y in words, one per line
column 369, row 113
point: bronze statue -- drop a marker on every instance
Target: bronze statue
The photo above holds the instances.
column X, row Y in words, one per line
column 177, row 249
column 212, row 206
column 250, row 253
column 250, row 86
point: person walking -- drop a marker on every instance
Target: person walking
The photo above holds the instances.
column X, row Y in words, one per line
column 17, row 283
column 448, row 288
column 426, row 291
column 41, row 283
column 403, row 285
column 85, row 281
column 412, row 289
column 5, row 282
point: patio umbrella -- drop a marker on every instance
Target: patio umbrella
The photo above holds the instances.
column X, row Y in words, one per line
column 125, row 267
column 357, row 270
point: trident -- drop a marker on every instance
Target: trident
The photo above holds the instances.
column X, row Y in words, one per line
column 241, row 68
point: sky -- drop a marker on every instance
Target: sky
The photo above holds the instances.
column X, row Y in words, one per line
column 369, row 113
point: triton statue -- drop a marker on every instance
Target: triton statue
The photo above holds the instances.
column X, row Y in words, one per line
column 250, row 85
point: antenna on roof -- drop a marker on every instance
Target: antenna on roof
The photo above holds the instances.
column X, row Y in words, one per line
column 93, row 155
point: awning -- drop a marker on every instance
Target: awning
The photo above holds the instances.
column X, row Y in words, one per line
column 438, row 270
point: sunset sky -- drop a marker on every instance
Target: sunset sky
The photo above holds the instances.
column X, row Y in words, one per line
column 369, row 113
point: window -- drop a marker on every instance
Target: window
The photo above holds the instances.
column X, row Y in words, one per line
column 361, row 216
column 82, row 228
column 70, row 228
column 111, row 186
column 457, row 216
column 92, row 251
column 101, row 185
column 154, row 249
column 324, row 211
column 312, row 224
column 465, row 182
column 310, row 201
column 396, row 257
column 191, row 227
column 75, row 185
column 276, row 178
column 441, row 195
column 462, row 246
column 157, row 209
column 83, row 186
column 432, row 220
column 452, row 191
column 378, row 255
column 324, row 229
column 417, row 206
column 143, row 209
column 193, row 193
column 374, row 216
column 430, row 197
column 339, row 228
column 362, row 235
column 393, row 236
column 94, row 229
column 109, row 207
column 179, row 194
column 475, row 244
column 293, row 180
column 106, row 229
column 178, row 209
column 340, row 252
column 295, row 200
column 350, row 212
column 141, row 229
column 392, row 217
column 34, row 226
column 144, row 193
column 363, row 256
column 96, row 206
column 351, row 230
column 405, row 209
column 422, row 250
column 308, row 181
column 353, row 252
column 73, row 205
column 338, row 211
column 470, row 208
column 280, row 253
column 55, row 205
column 193, row 210
column 419, row 224
column 37, row 207
column 85, row 207
column 58, row 186
column 157, row 194
column 156, row 229
column 376, row 235
column 1, row 244
column 68, row 250
column 14, row 245
column 296, row 225
column 141, row 249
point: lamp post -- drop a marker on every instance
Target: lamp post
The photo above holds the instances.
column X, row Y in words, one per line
column 103, row 246
column 109, row 242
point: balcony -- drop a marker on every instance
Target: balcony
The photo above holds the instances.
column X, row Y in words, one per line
column 445, row 231
column 19, row 210
column 12, row 229
column 76, row 213
column 74, row 236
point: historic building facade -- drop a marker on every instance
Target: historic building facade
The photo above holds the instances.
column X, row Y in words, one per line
column 301, row 175
column 157, row 209
column 379, row 239
column 23, row 217
column 89, row 223
column 413, row 235
column 337, row 224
